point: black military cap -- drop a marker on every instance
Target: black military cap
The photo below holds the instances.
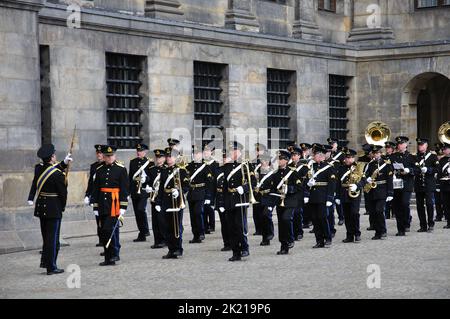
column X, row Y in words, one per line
column 169, row 152
column 98, row 148
column 46, row 151
column 375, row 148
column 296, row 150
column 290, row 145
column 389, row 144
column 401, row 139
column 108, row 150
column 159, row 152
column 421, row 141
column 331, row 140
column 366, row 148
column 349, row 152
column 141, row 147
column 284, row 154
column 173, row 141
column 318, row 148
column 305, row 146
column 328, row 148
column 236, row 146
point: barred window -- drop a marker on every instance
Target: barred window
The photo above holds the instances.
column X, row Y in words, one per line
column 123, row 110
column 207, row 95
column 278, row 115
column 421, row 4
column 338, row 108
column 327, row 5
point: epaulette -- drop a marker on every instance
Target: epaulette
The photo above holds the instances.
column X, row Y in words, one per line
column 41, row 164
column 99, row 166
column 119, row 163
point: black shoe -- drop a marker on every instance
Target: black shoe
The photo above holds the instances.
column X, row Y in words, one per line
column 400, row 234
column 102, row 254
column 245, row 253
column 357, row 239
column 202, row 237
column 265, row 243
column 156, row 246
column 169, row 256
column 328, row 242
column 98, row 245
column 407, row 230
column 348, row 240
column 139, row 239
column 195, row 241
column 107, row 263
column 370, row 228
column 283, row 252
column 115, row 258
column 55, row 271
column 319, row 245
column 299, row 237
column 430, row 229
column 422, row 230
column 376, row 237
column 291, row 245
column 226, row 248
column 234, row 258
column 341, row 222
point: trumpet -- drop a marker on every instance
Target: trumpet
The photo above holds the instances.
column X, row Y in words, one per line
column 179, row 186
column 245, row 170
column 156, row 184
column 373, row 184
column 283, row 191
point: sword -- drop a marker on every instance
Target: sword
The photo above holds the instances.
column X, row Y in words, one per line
column 112, row 234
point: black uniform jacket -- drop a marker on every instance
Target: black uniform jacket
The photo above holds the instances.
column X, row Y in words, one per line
column 201, row 186
column 164, row 198
column 233, row 181
column 293, row 182
column 408, row 160
column 342, row 185
column 384, row 179
column 426, row 182
column 92, row 171
column 443, row 175
column 325, row 186
column 135, row 165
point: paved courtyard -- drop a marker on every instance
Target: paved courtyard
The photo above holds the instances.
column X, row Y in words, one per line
column 416, row 266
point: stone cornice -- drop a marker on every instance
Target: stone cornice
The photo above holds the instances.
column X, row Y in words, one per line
column 30, row 5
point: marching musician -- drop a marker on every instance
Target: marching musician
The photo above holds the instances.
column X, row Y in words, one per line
column 159, row 225
column 257, row 208
column 139, row 172
column 350, row 182
column 379, row 174
column 219, row 204
column 319, row 194
column 307, row 160
column 110, row 202
column 444, row 181
column 389, row 148
column 170, row 200
column 199, row 194
column 209, row 213
column 87, row 197
column 337, row 156
column 437, row 193
column 330, row 214
column 425, row 185
column 51, row 189
column 285, row 186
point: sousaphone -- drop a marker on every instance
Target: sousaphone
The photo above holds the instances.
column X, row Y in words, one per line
column 444, row 133
column 377, row 133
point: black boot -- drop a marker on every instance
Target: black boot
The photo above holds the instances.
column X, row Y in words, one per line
column 348, row 240
column 283, row 251
column 55, row 271
column 235, row 258
column 169, row 256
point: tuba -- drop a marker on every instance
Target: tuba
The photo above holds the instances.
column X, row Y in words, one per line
column 377, row 133
column 357, row 172
column 444, row 133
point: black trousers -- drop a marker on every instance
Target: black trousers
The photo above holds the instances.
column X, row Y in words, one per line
column 426, row 216
column 140, row 212
column 209, row 217
column 257, row 217
column 50, row 229
column 297, row 223
column 267, row 228
column 225, row 229
column 196, row 215
column 445, row 197
column 285, row 219
column 439, row 206
column 307, row 218
column 340, row 212
column 376, row 210
column 388, row 210
column 331, row 222
column 351, row 218
column 159, row 226
column 107, row 224
column 174, row 221
column 319, row 213
column 400, row 207
column 97, row 221
column 236, row 226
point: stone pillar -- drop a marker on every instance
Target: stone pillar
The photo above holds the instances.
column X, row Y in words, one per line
column 240, row 16
column 370, row 23
column 305, row 26
column 164, row 9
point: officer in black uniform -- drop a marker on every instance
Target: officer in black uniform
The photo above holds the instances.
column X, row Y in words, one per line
column 49, row 184
column 437, row 193
column 265, row 201
column 285, row 186
column 110, row 200
column 425, row 185
column 236, row 189
column 319, row 194
column 88, row 194
column 258, row 209
column 199, row 195
column 138, row 173
column 219, row 204
column 379, row 172
column 330, row 214
column 159, row 225
column 404, row 187
column 209, row 213
column 336, row 158
column 306, row 160
column 444, row 181
column 174, row 184
column 350, row 183
column 390, row 149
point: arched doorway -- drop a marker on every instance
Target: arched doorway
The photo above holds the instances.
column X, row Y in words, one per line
column 425, row 106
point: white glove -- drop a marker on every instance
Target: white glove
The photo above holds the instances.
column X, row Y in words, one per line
column 143, row 179
column 207, row 201
column 329, row 204
column 353, row 187
column 68, row 159
column 337, row 201
column 221, row 209
column 122, row 212
column 175, row 193
column 389, row 198
column 438, row 190
column 30, row 203
column 424, row 170
column 86, row 200
column 96, row 213
column 311, row 182
column 270, row 209
column 148, row 189
column 406, row 170
column 448, row 170
column 158, row 208
column 240, row 190
column 306, row 200
column 369, row 180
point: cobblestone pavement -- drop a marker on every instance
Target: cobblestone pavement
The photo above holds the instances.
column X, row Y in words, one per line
column 416, row 266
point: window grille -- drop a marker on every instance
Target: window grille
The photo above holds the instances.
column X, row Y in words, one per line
column 338, row 108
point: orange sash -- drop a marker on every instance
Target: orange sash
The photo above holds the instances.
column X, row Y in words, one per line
column 115, row 205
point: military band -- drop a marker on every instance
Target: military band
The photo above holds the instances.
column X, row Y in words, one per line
column 306, row 184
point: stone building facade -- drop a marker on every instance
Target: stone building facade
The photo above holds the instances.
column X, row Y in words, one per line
column 341, row 65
